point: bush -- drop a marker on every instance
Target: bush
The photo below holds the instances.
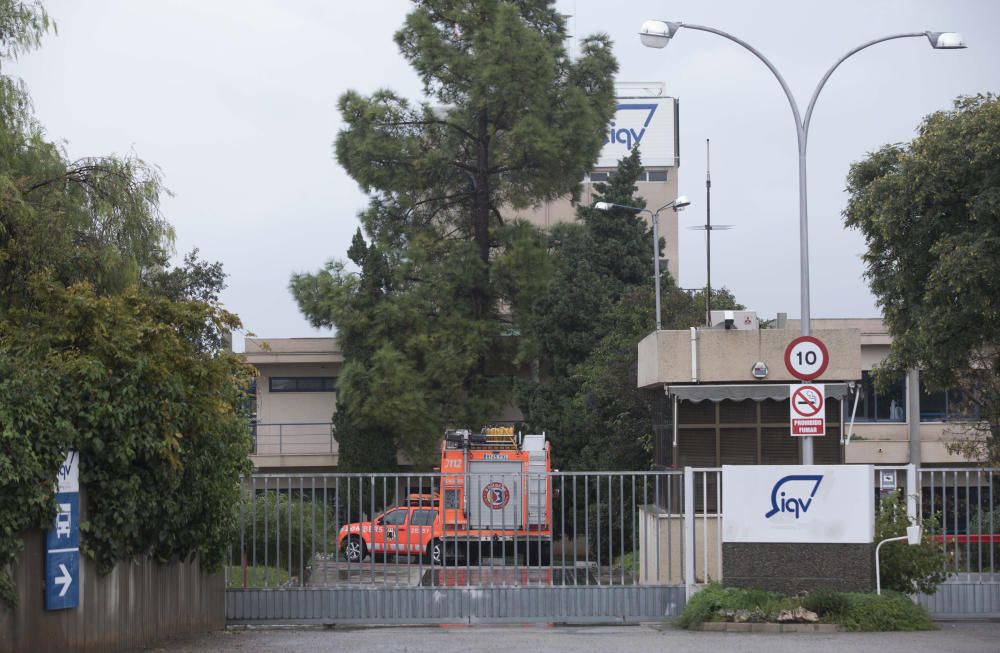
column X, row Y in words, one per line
column 706, row 604
column 852, row 610
column 885, row 612
column 908, row 569
column 622, row 530
column 279, row 520
column 827, row 603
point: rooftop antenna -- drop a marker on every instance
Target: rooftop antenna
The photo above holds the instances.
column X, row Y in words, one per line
column 708, row 228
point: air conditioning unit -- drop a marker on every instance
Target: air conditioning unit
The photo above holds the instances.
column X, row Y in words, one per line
column 740, row 320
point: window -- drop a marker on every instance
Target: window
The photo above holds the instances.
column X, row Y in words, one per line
column 394, row 518
column 888, row 406
column 648, row 174
column 940, row 405
column 423, row 518
column 302, row 384
column 451, row 499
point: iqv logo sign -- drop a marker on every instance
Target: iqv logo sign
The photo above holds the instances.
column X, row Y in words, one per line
column 628, row 136
column 787, row 500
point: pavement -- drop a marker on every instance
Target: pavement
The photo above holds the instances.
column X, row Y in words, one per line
column 951, row 637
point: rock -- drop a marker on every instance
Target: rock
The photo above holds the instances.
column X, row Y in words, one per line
column 798, row 616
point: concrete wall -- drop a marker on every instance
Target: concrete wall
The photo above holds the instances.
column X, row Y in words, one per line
column 295, row 407
column 135, row 605
column 728, row 356
column 661, row 555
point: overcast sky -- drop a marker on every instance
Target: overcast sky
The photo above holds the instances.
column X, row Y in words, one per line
column 236, row 102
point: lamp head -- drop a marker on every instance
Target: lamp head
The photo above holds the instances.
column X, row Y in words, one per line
column 946, row 40
column 681, row 202
column 603, row 206
column 657, row 33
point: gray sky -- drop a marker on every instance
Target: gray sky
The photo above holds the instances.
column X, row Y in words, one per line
column 236, row 102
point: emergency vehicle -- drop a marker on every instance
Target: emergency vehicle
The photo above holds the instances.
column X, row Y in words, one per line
column 494, row 496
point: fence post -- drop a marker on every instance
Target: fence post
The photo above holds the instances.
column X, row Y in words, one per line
column 689, row 551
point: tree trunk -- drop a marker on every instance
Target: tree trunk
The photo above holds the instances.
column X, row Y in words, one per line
column 481, row 216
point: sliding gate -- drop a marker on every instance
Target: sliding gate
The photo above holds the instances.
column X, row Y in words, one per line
column 358, row 548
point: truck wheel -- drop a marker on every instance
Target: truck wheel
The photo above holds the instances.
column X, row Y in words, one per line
column 355, row 549
column 435, row 552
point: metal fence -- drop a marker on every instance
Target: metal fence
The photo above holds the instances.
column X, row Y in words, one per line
column 619, row 546
column 293, row 438
column 380, row 548
column 959, row 509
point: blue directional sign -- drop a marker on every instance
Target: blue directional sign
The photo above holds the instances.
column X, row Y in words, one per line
column 65, row 531
column 62, row 579
column 62, row 542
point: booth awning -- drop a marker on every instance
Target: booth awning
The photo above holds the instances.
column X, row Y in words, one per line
column 754, row 392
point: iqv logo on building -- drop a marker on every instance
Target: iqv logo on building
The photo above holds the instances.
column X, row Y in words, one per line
column 628, row 136
column 786, row 500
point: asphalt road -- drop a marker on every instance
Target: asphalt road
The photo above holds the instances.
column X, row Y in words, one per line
column 952, row 637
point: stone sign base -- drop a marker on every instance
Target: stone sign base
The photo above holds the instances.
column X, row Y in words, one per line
column 793, row 568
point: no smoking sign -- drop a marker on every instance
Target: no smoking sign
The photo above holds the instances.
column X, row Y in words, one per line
column 807, row 403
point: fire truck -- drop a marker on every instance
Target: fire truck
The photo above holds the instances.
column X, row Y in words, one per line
column 493, row 497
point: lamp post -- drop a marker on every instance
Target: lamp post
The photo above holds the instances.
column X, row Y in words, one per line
column 676, row 205
column 657, row 34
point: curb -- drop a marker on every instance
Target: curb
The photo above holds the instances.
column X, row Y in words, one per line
column 731, row 627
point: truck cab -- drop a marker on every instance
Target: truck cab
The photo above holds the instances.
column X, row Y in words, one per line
column 404, row 530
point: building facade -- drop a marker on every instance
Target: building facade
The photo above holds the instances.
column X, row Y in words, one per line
column 294, row 401
column 714, row 410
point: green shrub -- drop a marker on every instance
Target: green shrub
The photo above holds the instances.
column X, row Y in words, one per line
column 885, row 612
column 702, row 606
column 276, row 523
column 826, row 603
column 908, row 569
column 853, row 611
column 706, row 604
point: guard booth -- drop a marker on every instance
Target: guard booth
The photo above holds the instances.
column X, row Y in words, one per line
column 722, row 395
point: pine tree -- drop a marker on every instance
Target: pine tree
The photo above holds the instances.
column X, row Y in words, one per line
column 424, row 324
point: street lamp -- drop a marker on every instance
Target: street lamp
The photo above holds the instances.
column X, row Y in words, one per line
column 657, row 34
column 677, row 205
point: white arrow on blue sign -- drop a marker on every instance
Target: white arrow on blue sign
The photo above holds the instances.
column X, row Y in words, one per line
column 62, row 573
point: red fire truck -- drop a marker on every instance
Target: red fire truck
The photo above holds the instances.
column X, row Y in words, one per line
column 494, row 496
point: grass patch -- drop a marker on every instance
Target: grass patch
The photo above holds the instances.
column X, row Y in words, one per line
column 852, row 610
column 257, row 576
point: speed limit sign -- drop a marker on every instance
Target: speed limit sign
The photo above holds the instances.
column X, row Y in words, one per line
column 806, row 358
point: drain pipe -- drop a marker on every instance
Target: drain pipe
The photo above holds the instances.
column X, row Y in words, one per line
column 694, row 355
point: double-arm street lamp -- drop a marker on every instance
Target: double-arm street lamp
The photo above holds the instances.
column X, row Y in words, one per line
column 657, row 34
column 676, row 205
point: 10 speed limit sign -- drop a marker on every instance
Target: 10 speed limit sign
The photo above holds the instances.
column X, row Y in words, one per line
column 806, row 358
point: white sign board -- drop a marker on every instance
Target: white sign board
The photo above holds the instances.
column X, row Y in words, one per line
column 68, row 476
column 650, row 124
column 798, row 503
column 807, row 404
